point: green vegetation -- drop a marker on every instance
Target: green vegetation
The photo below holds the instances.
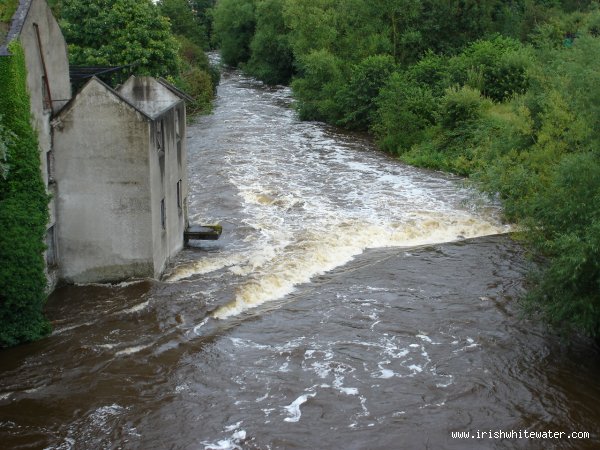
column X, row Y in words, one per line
column 119, row 33
column 195, row 76
column 165, row 39
column 6, row 139
column 7, row 9
column 506, row 93
column 23, row 212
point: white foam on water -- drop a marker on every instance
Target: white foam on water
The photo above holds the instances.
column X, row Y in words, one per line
column 69, row 328
column 293, row 408
column 131, row 350
column 204, row 266
column 136, row 308
column 320, row 251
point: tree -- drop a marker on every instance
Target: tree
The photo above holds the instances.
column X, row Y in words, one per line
column 183, row 21
column 272, row 59
column 234, row 24
column 119, row 33
column 358, row 96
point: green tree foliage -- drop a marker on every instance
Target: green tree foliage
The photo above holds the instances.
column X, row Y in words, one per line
column 565, row 219
column 197, row 78
column 497, row 67
column 405, row 110
column 203, row 10
column 234, row 23
column 183, row 21
column 317, row 87
column 23, row 213
column 271, row 60
column 7, row 9
column 357, row 98
column 119, row 33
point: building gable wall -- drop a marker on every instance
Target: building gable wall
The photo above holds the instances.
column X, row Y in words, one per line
column 103, row 188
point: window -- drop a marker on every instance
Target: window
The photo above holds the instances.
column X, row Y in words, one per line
column 51, row 258
column 178, row 134
column 179, row 196
column 163, row 215
column 50, row 166
column 160, row 137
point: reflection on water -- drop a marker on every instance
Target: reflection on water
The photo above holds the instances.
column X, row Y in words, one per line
column 343, row 307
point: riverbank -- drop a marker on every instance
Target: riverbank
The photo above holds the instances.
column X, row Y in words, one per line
column 506, row 95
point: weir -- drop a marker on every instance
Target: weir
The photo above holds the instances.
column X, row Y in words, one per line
column 351, row 301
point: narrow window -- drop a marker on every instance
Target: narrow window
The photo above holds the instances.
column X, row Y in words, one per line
column 177, row 122
column 178, row 134
column 50, row 166
column 160, row 137
column 179, row 196
column 163, row 215
column 51, row 259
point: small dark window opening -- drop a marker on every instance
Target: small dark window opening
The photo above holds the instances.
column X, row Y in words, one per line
column 177, row 124
column 50, row 166
column 178, row 134
column 163, row 215
column 160, row 137
column 179, row 196
column 51, row 258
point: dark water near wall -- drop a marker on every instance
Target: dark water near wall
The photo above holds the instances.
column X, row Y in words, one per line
column 352, row 303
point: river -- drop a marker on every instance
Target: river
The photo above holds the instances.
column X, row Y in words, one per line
column 352, row 302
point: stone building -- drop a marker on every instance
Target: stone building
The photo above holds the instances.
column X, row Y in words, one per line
column 49, row 89
column 121, row 180
column 114, row 161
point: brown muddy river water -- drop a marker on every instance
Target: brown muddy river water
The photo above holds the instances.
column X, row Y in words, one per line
column 351, row 303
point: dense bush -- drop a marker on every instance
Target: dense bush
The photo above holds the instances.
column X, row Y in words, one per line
column 357, row 98
column 497, row 67
column 565, row 224
column 320, row 79
column 23, row 213
column 405, row 110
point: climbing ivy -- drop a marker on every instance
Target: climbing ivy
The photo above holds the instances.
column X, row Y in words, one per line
column 23, row 213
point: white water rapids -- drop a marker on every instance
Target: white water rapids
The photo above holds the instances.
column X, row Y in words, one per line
column 312, row 199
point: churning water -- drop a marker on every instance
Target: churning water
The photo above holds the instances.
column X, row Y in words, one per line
column 352, row 302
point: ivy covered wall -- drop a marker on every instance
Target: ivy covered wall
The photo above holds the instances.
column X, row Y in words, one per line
column 23, row 213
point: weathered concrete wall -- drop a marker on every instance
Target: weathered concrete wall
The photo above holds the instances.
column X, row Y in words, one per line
column 45, row 56
column 103, row 188
column 167, row 169
column 168, row 163
column 148, row 95
column 54, row 50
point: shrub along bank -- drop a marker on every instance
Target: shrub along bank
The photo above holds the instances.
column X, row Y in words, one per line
column 506, row 93
column 23, row 212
